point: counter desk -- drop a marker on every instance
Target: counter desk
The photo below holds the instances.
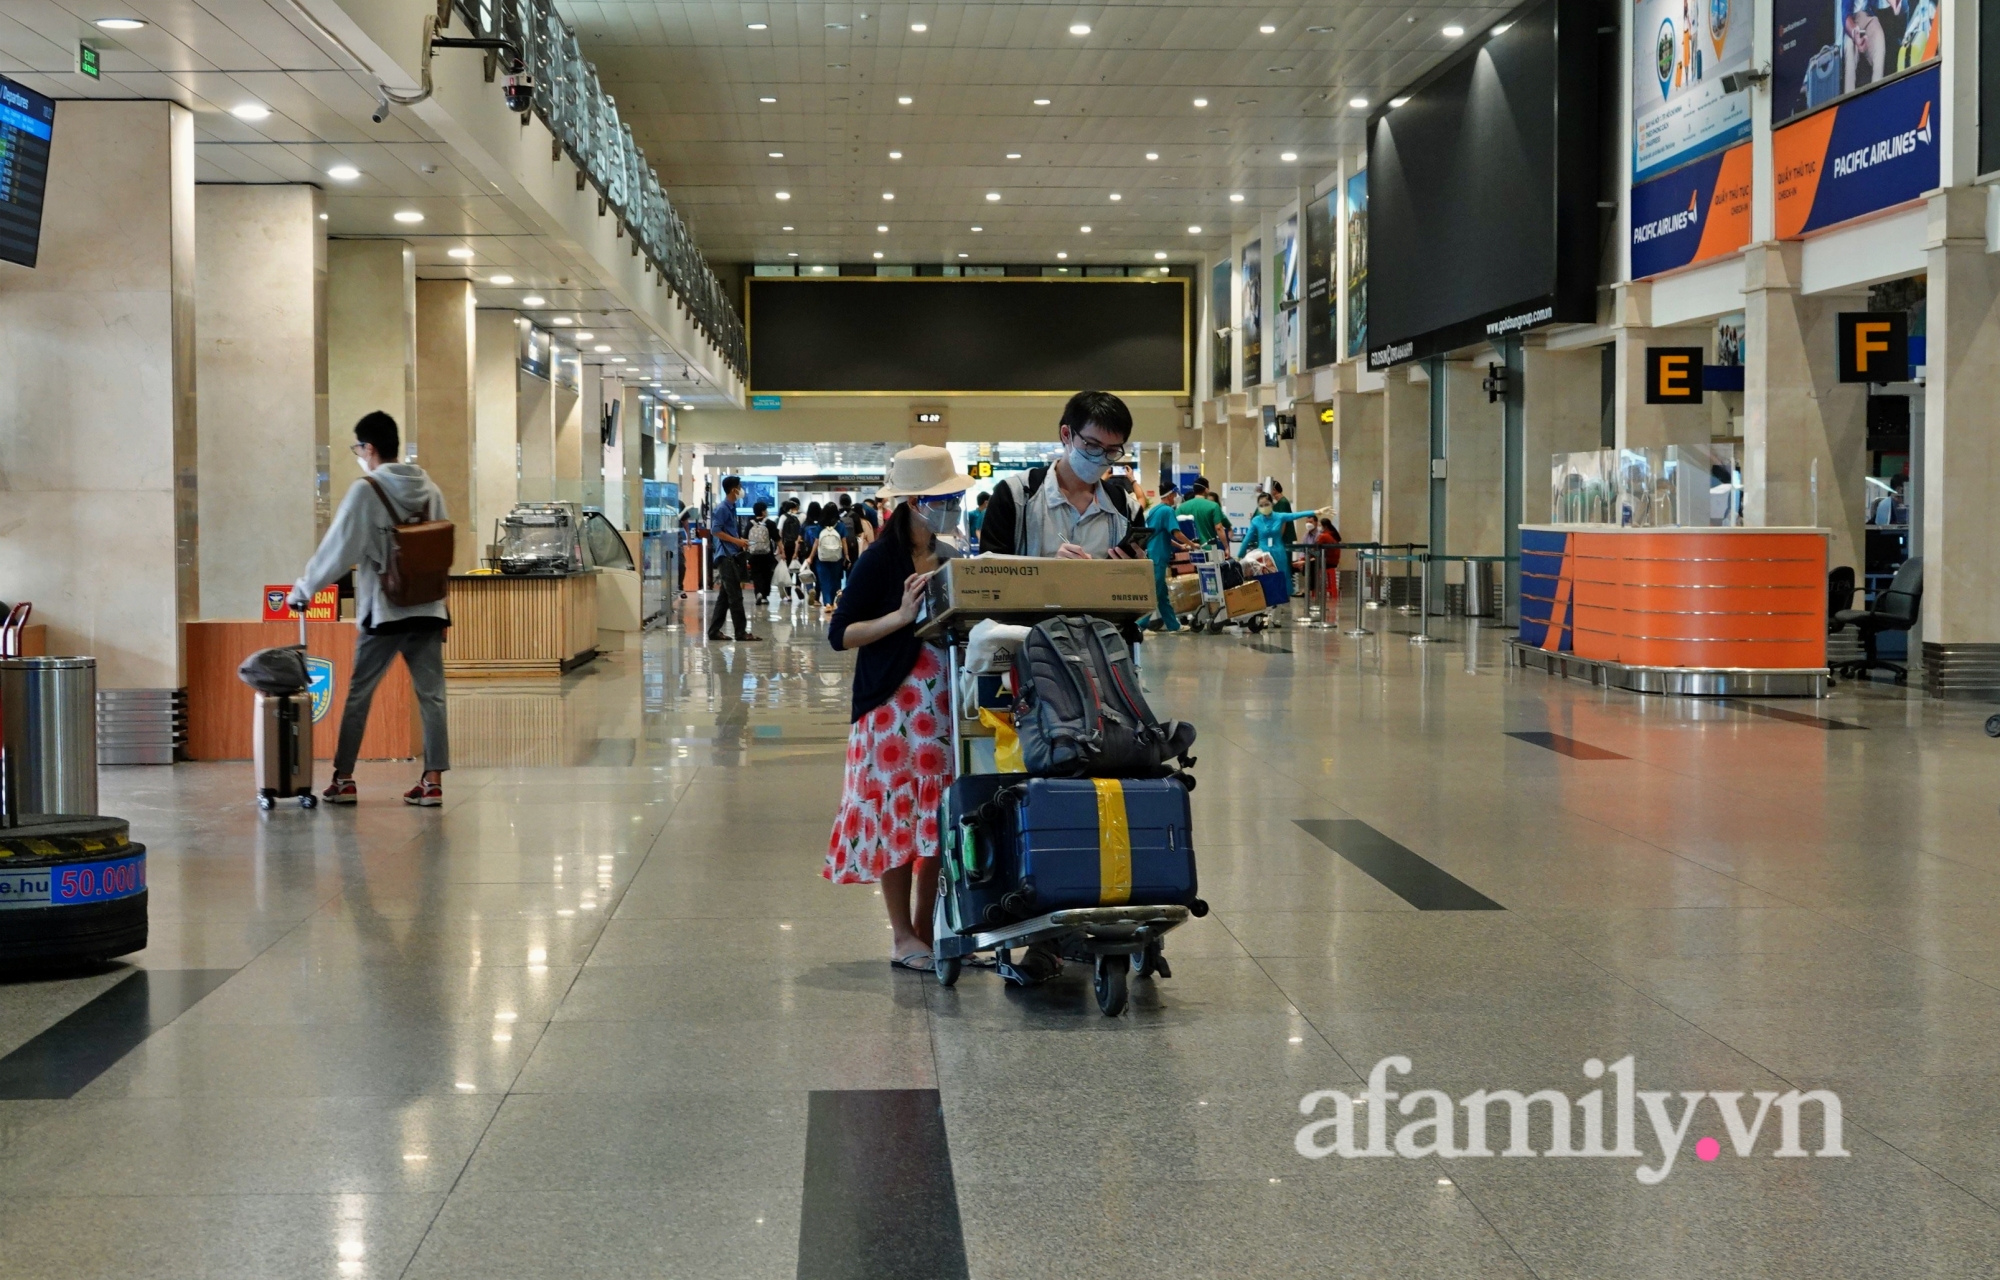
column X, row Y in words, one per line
column 221, row 708
column 1703, row 611
column 508, row 625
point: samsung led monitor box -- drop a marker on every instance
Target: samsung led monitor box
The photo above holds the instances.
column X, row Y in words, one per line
column 27, row 124
column 989, row 585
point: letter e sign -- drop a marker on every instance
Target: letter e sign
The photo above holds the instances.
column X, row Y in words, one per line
column 1874, row 346
column 1673, row 375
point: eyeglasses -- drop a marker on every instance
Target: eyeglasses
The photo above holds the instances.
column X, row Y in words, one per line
column 356, row 449
column 1113, row 454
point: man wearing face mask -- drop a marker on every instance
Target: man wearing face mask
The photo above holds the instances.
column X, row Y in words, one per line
column 1073, row 509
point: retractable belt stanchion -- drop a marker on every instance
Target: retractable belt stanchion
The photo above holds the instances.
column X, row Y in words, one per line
column 1424, row 635
column 1363, row 552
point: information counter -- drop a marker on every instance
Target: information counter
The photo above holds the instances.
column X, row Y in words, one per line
column 505, row 625
column 1700, row 611
column 222, row 709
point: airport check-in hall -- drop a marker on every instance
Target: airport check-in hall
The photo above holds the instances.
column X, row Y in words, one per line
column 942, row 641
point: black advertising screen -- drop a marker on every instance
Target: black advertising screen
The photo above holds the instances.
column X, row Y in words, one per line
column 1482, row 191
column 1319, row 254
column 27, row 123
column 942, row 334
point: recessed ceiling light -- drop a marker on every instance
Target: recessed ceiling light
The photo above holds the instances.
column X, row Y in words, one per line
column 1062, row 255
column 534, row 300
column 562, row 320
column 1085, row 230
column 1453, row 32
column 1358, row 104
column 1236, row 197
column 918, row 27
column 888, row 195
column 878, row 253
column 904, row 101
column 1079, row 28
column 120, row 24
column 895, row 155
column 783, row 195
column 979, row 228
column 343, row 173
column 586, row 337
column 1160, row 256
column 1013, row 155
column 784, row 228
column 767, row 99
column 322, row 217
column 1502, row 27
column 458, row 253
column 1194, row 231
column 618, row 359
column 965, row 255
column 993, row 195
column 759, row 26
column 250, row 111
column 1397, row 102
column 791, row 255
column 883, row 227
column 501, row 280
column 1152, row 155
column 775, row 155
column 1201, row 102
column 1041, row 102
column 1288, row 156
column 1116, row 196
column 408, row 215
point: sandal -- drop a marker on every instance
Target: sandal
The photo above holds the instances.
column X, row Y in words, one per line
column 915, row 961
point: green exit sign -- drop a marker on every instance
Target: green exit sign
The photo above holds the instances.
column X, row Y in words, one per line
column 86, row 60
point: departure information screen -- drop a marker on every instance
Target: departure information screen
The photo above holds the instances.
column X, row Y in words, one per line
column 27, row 122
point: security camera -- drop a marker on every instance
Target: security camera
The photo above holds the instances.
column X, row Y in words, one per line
column 1738, row 81
column 518, row 87
column 381, row 107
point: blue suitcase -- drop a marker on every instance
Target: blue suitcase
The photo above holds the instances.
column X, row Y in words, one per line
column 1101, row 842
column 979, row 881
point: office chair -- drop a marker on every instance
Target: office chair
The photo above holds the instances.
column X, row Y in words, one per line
column 1895, row 609
column 1839, row 595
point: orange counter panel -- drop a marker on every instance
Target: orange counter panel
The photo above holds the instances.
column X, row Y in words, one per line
column 220, row 706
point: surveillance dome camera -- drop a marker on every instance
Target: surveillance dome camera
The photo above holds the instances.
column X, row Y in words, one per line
column 381, row 107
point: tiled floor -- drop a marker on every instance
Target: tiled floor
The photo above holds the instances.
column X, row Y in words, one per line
column 573, row 1024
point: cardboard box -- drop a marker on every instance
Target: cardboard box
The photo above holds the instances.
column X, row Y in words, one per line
column 1028, row 584
column 1184, row 593
column 1243, row 599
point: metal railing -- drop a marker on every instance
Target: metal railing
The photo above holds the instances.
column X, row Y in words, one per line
column 568, row 99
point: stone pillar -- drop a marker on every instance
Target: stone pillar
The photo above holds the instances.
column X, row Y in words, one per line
column 371, row 337
column 1406, row 452
column 590, row 383
column 1311, row 486
column 496, row 467
column 1246, row 443
column 260, row 378
column 447, row 345
column 1651, row 426
column 1473, row 437
column 566, row 403
column 1357, row 426
column 99, row 524
column 1560, row 414
column 632, row 425
column 1796, row 413
column 1961, row 471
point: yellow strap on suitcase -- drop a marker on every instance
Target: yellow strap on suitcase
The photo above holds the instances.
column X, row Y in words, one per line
column 1114, row 845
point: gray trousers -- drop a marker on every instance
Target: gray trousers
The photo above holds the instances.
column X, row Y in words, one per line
column 423, row 654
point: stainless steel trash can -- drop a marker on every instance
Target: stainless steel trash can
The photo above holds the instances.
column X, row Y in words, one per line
column 48, row 737
column 1482, row 584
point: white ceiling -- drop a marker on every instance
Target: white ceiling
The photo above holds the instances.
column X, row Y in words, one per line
column 688, row 75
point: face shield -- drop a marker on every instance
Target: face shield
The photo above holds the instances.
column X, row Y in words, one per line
column 941, row 514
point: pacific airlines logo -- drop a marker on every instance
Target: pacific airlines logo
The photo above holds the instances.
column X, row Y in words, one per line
column 1677, row 221
column 1882, row 151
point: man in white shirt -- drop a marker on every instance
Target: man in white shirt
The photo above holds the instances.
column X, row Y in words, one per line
column 1087, row 513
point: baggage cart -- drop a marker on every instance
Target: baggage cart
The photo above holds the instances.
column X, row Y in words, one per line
column 1118, row 942
column 1219, row 607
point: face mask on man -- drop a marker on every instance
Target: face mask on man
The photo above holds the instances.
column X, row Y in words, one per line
column 1082, row 465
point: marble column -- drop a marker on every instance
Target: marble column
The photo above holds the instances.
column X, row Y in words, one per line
column 1474, row 431
column 496, row 465
column 260, row 377
column 1358, row 419
column 590, row 388
column 1406, row 453
column 1246, row 444
column 1311, row 486
column 1651, row 426
column 1961, row 469
column 446, row 396
column 1805, row 433
column 371, row 337
column 99, row 524
column 1561, row 412
column 632, row 425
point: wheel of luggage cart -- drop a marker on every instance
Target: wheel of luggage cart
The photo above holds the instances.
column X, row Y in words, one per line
column 267, row 802
column 1150, row 963
column 1993, row 726
column 1257, row 623
column 1109, row 983
column 308, row 801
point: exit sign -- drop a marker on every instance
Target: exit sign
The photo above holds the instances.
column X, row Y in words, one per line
column 86, row 60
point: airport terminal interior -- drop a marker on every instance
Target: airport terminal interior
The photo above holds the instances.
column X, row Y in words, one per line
column 933, row 641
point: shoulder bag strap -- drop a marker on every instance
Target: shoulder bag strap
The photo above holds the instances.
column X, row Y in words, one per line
column 388, row 506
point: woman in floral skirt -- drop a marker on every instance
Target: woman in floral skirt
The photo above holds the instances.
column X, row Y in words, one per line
column 898, row 757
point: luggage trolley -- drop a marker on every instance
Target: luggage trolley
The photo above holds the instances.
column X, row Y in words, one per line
column 1214, row 613
column 1118, row 941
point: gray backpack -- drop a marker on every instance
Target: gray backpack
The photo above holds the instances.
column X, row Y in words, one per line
column 1079, row 710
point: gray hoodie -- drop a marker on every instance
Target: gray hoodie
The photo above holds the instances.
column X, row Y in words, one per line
column 359, row 536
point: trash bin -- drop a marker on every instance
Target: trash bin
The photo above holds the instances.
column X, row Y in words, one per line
column 1482, row 584
column 48, row 737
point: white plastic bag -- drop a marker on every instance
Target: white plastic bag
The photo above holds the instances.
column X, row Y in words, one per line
column 990, row 646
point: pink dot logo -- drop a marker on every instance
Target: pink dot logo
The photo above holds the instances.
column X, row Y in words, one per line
column 1707, row 1149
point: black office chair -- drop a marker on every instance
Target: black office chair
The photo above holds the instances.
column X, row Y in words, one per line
column 1839, row 595
column 1895, row 609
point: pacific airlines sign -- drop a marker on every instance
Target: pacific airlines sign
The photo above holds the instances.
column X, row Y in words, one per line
column 1867, row 153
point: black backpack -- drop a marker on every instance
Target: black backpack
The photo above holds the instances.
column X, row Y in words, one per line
column 1079, row 711
column 279, row 670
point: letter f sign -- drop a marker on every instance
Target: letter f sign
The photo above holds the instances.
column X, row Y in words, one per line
column 1874, row 346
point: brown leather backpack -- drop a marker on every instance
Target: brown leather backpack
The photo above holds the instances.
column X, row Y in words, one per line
column 419, row 559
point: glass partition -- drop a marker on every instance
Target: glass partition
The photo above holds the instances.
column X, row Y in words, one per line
column 1675, row 486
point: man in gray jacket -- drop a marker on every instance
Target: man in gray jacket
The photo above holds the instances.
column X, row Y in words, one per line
column 359, row 536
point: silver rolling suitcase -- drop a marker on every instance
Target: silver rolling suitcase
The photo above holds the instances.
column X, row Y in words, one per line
column 282, row 744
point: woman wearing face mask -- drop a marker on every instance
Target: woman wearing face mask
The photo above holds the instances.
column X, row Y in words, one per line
column 1266, row 530
column 898, row 757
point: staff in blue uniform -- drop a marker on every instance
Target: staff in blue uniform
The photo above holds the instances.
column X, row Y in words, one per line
column 1267, row 528
column 1163, row 535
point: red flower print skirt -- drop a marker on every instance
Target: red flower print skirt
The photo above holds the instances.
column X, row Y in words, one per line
column 898, row 766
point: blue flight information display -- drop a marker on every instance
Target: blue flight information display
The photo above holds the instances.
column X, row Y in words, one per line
column 27, row 123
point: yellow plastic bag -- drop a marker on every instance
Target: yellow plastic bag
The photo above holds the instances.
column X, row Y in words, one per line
column 1006, row 743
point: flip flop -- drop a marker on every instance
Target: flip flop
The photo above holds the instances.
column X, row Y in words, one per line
column 914, row 961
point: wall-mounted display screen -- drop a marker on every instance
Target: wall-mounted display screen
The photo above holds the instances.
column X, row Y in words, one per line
column 27, row 126
column 1483, row 189
column 1223, row 328
column 1827, row 49
column 1357, row 263
column 958, row 336
column 1319, row 307
column 1681, row 49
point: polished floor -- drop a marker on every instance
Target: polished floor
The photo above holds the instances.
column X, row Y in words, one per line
column 600, row 1017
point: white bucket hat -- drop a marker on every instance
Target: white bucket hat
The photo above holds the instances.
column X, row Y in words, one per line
column 923, row 471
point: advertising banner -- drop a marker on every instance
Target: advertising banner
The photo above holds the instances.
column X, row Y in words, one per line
column 1253, row 313
column 1318, row 301
column 1873, row 152
column 1357, row 263
column 1680, row 51
column 1697, row 212
column 1285, row 287
column 1823, row 50
column 1220, row 328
